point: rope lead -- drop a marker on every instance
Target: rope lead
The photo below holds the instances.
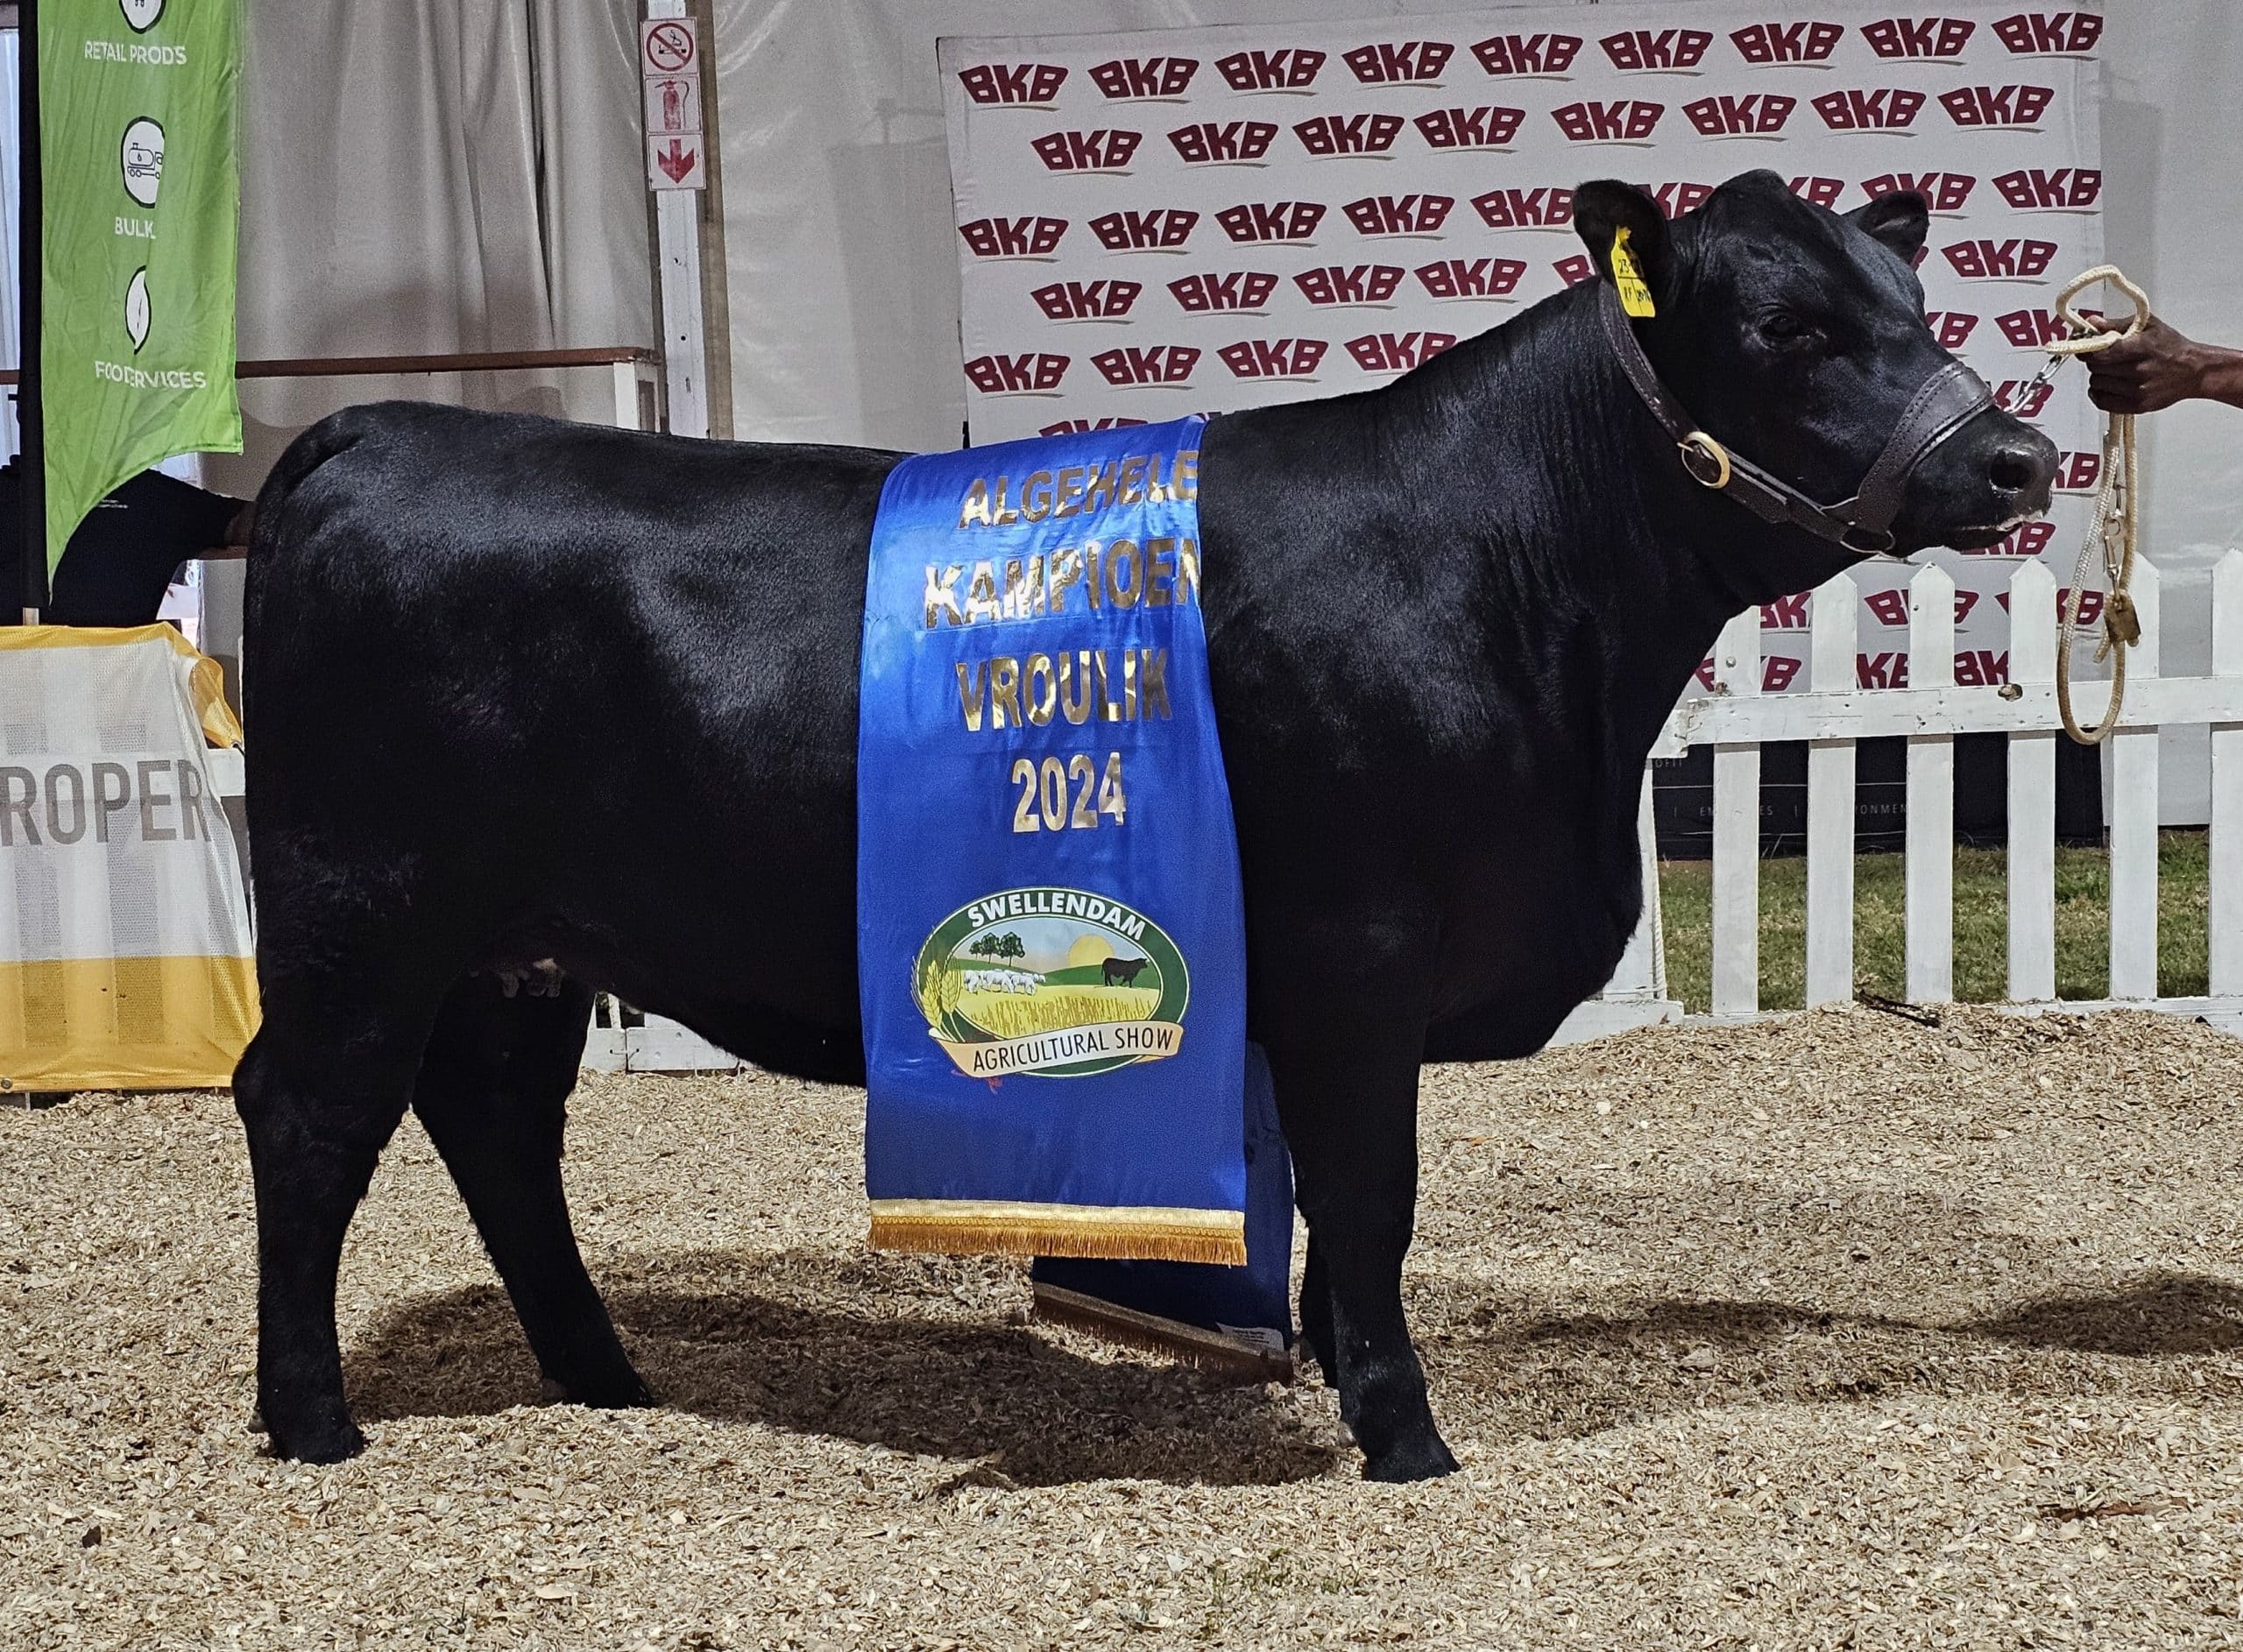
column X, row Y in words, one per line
column 2112, row 528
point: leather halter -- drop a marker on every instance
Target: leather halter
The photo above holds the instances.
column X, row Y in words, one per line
column 1946, row 401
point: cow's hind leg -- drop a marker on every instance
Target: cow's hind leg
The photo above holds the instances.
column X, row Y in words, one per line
column 492, row 1094
column 319, row 1096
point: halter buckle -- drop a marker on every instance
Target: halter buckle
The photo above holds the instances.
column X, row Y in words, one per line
column 1705, row 459
column 1869, row 542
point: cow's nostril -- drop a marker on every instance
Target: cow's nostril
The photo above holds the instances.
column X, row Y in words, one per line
column 2014, row 470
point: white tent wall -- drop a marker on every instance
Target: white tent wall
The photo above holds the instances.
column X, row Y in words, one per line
column 2172, row 130
column 424, row 176
column 843, row 267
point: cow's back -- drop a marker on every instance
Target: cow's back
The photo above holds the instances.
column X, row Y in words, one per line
column 512, row 676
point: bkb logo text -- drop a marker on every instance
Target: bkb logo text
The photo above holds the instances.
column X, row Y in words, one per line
column 1505, row 55
column 1489, row 126
column 1919, row 37
column 1883, row 109
column 1339, row 284
column 1399, row 215
column 1348, row 134
column 1021, row 83
column 2050, row 33
column 1212, row 143
column 1946, row 191
column 1290, row 69
column 1101, row 150
column 1754, row 115
column 1273, row 358
column 1627, row 121
column 1763, row 43
column 1231, row 290
column 2064, row 189
column 1161, row 230
column 1030, row 374
column 1657, row 48
column 1087, row 300
column 1146, row 364
column 1131, row 78
column 1255, row 221
column 1013, row 237
column 1997, row 105
column 1386, row 64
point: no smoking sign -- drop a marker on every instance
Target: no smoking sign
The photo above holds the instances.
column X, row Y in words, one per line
column 666, row 46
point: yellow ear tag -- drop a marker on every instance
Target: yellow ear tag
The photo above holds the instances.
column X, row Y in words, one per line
column 1635, row 297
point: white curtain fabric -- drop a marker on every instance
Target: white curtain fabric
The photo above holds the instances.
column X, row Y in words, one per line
column 423, row 176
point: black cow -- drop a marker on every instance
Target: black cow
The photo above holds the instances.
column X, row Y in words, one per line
column 1121, row 971
column 525, row 689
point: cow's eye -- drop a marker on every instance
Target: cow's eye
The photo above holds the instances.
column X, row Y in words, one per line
column 1781, row 327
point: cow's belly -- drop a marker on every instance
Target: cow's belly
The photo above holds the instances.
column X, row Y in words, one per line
column 1533, row 926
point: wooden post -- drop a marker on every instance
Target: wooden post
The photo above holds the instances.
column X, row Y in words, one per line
column 2133, row 817
column 2031, row 856
column 1834, row 635
column 1930, row 838
column 2225, row 848
column 1736, row 831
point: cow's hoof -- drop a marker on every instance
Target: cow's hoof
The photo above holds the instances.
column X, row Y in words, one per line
column 617, row 1391
column 1422, row 1459
column 1312, row 1357
column 333, row 1442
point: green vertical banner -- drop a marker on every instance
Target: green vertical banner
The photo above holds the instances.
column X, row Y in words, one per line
column 138, row 129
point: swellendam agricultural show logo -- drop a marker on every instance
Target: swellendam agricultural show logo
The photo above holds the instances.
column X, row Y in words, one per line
column 1055, row 982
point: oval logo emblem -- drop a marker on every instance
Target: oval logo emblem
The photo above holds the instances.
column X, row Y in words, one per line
column 1051, row 982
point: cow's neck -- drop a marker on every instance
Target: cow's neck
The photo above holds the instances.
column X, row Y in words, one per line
column 1593, row 539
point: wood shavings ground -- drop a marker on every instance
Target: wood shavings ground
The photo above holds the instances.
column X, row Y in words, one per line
column 1830, row 1332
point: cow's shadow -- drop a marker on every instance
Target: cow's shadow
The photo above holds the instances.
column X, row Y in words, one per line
column 869, row 1348
column 1524, row 1372
column 881, row 1350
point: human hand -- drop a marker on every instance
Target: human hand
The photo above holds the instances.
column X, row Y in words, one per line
column 2153, row 370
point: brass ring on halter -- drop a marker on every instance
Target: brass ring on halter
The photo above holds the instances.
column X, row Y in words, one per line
column 1701, row 451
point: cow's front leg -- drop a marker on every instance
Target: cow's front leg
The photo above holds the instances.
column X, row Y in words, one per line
column 1349, row 1106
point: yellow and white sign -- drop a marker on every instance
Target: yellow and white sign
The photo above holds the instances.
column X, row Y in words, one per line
column 126, row 957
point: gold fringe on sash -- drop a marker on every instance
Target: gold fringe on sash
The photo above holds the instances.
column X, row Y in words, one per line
column 1130, row 1232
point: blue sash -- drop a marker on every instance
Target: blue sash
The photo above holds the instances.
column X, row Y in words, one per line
column 1051, row 940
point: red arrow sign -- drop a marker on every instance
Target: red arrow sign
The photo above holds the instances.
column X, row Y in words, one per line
column 677, row 160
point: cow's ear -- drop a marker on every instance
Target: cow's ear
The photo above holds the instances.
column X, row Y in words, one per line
column 1603, row 209
column 1900, row 220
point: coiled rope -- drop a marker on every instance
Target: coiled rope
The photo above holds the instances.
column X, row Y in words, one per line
column 2112, row 528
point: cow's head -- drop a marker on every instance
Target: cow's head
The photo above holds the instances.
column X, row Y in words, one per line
column 1796, row 336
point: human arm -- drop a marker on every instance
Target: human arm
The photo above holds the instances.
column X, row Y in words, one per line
column 2160, row 366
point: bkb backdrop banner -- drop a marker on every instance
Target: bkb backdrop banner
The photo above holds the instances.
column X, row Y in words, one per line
column 1205, row 219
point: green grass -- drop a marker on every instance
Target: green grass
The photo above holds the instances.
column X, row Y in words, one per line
column 1981, row 924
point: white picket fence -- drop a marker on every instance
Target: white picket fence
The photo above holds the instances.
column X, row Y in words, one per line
column 1834, row 713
